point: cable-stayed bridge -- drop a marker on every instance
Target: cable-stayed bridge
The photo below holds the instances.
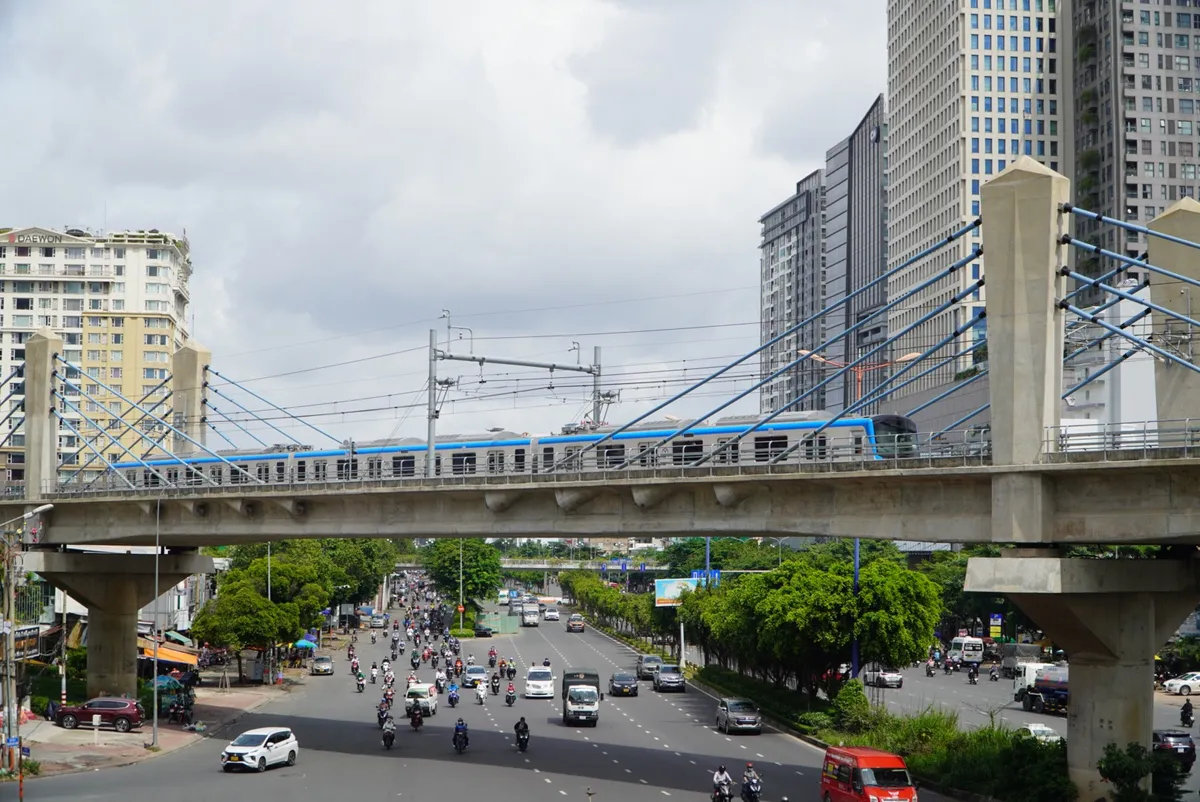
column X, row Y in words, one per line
column 1033, row 483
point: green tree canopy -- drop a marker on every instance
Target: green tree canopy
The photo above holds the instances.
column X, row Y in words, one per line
column 481, row 572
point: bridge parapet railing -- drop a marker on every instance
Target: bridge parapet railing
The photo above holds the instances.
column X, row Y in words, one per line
column 1088, row 441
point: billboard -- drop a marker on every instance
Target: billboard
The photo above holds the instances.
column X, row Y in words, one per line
column 667, row 591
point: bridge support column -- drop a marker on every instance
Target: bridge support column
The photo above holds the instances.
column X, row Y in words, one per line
column 1110, row 616
column 114, row 587
column 1177, row 389
column 189, row 395
column 41, row 427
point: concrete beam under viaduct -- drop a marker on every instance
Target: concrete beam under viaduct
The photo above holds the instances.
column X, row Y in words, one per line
column 1142, row 501
column 114, row 587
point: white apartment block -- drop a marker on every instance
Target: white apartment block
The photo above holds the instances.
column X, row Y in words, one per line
column 120, row 302
column 971, row 84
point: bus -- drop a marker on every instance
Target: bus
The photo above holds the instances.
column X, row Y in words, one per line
column 969, row 650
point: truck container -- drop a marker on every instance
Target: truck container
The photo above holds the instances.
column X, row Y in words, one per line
column 1014, row 654
column 1049, row 693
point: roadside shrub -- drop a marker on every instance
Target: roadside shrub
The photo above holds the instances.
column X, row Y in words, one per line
column 38, row 704
column 462, row 633
column 1126, row 768
column 77, row 663
column 815, row 721
column 851, row 708
column 30, row 766
column 782, row 703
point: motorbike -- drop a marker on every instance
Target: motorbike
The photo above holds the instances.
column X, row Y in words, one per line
column 373, row 675
column 510, row 698
column 460, row 742
column 433, row 662
column 523, row 741
column 722, row 793
column 453, row 698
column 993, row 677
column 361, row 685
column 929, row 671
column 417, row 719
column 972, row 679
column 372, row 637
column 492, row 661
column 948, row 669
column 496, row 688
column 389, row 736
column 752, row 790
column 382, row 718
column 512, row 673
column 415, row 663
column 480, row 693
column 394, row 654
column 1187, row 719
column 440, row 684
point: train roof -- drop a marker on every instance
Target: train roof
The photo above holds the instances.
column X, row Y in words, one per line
column 647, row 425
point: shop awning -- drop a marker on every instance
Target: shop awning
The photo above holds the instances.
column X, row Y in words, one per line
column 182, row 640
column 167, row 654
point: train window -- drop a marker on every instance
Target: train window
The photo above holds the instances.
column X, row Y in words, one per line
column 195, row 476
column 858, row 445
column 238, row 476
column 729, row 455
column 769, row 446
column 610, row 455
column 404, row 466
column 173, row 475
column 347, row 469
column 687, row 451
column 374, row 467
column 280, row 471
column 216, row 473
column 816, row 449
column 495, row 461
column 132, row 476
column 150, row 479
column 302, row 470
column 646, row 456
column 320, row 470
column 519, row 461
column 462, row 462
column 574, row 461
column 263, row 471
column 548, row 458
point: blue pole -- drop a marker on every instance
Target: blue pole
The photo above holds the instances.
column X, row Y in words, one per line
column 854, row 642
column 707, row 559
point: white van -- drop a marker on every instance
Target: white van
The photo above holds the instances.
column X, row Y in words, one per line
column 530, row 617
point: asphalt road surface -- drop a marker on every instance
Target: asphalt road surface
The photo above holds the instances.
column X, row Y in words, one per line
column 651, row 747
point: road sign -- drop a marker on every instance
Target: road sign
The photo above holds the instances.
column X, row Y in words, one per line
column 604, row 568
column 697, row 573
column 624, row 566
column 461, row 608
column 25, row 751
column 11, row 742
column 643, row 568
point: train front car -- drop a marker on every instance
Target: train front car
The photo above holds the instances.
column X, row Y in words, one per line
column 895, row 436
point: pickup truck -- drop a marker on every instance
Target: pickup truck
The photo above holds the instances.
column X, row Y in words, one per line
column 581, row 696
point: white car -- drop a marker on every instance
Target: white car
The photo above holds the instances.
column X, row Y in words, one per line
column 424, row 695
column 260, row 748
column 1183, row 685
column 1039, row 732
column 883, row 678
column 475, row 675
column 551, row 614
column 539, row 683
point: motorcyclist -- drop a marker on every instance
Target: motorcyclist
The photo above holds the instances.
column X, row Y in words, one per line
column 973, row 673
column 461, row 726
column 721, row 778
column 372, row 637
column 385, row 665
column 440, row 676
column 389, row 725
column 546, row 662
column 993, row 674
column 521, row 728
column 481, row 693
column 495, row 683
column 470, row 659
column 1185, row 713
column 458, row 666
column 750, row 774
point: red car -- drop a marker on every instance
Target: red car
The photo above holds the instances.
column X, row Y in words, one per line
column 120, row 714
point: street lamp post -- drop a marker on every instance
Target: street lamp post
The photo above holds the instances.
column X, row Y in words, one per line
column 10, row 637
column 461, row 606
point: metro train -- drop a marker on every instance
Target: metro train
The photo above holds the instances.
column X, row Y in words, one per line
column 880, row 437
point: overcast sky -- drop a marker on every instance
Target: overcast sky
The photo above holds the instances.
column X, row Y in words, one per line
column 551, row 171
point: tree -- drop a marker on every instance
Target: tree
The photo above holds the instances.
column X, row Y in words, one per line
column 897, row 611
column 241, row 618
column 481, row 571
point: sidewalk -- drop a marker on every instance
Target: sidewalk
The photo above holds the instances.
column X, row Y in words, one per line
column 62, row 751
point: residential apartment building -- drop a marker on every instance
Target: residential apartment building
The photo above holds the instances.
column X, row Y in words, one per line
column 856, row 255
column 1136, row 77
column 971, row 85
column 120, row 302
column 792, row 280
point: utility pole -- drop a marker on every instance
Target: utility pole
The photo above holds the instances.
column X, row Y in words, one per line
column 597, row 397
column 431, row 428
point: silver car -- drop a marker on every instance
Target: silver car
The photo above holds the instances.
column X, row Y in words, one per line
column 322, row 664
column 738, row 715
column 669, row 678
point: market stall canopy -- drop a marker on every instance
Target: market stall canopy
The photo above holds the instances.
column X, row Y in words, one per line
column 305, row 644
column 166, row 654
column 182, row 640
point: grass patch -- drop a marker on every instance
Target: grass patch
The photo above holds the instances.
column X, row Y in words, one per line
column 783, row 704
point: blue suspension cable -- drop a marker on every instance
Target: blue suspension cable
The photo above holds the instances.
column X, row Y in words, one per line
column 145, row 397
column 880, row 391
column 1127, row 260
column 941, row 363
column 1149, row 346
column 13, row 430
column 235, row 423
column 11, row 412
column 1149, row 232
column 88, row 443
column 201, row 446
column 778, row 338
column 248, row 412
column 1093, row 376
column 272, row 405
column 1127, row 297
column 1081, row 349
column 891, row 340
column 112, row 439
column 141, row 418
column 802, row 358
column 218, row 433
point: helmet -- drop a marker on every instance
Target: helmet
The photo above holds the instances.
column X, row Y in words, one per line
column 522, row 719
column 460, row 721
column 721, row 769
column 749, row 765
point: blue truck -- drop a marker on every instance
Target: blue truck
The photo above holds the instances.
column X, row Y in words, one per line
column 1049, row 693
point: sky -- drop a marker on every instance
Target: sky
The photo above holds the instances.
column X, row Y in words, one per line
column 552, row 172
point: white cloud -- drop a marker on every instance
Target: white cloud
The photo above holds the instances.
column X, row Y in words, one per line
column 338, row 173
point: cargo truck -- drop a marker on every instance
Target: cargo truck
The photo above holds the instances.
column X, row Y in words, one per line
column 1048, row 694
column 1014, row 654
column 581, row 696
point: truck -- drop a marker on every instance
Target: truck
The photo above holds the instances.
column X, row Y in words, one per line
column 1023, row 676
column 581, row 696
column 1048, row 694
column 1014, row 654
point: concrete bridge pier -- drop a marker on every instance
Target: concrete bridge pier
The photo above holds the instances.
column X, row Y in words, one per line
column 114, row 587
column 1110, row 616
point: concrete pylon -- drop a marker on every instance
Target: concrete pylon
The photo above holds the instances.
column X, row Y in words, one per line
column 114, row 587
column 1177, row 389
column 1020, row 209
column 41, row 426
column 188, row 394
column 1110, row 616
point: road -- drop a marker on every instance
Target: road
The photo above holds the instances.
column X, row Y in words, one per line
column 652, row 747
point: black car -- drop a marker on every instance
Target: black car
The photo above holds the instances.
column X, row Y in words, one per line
column 1177, row 743
column 482, row 632
column 623, row 683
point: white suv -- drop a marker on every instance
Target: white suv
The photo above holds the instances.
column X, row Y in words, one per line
column 260, row 748
column 551, row 614
column 539, row 683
